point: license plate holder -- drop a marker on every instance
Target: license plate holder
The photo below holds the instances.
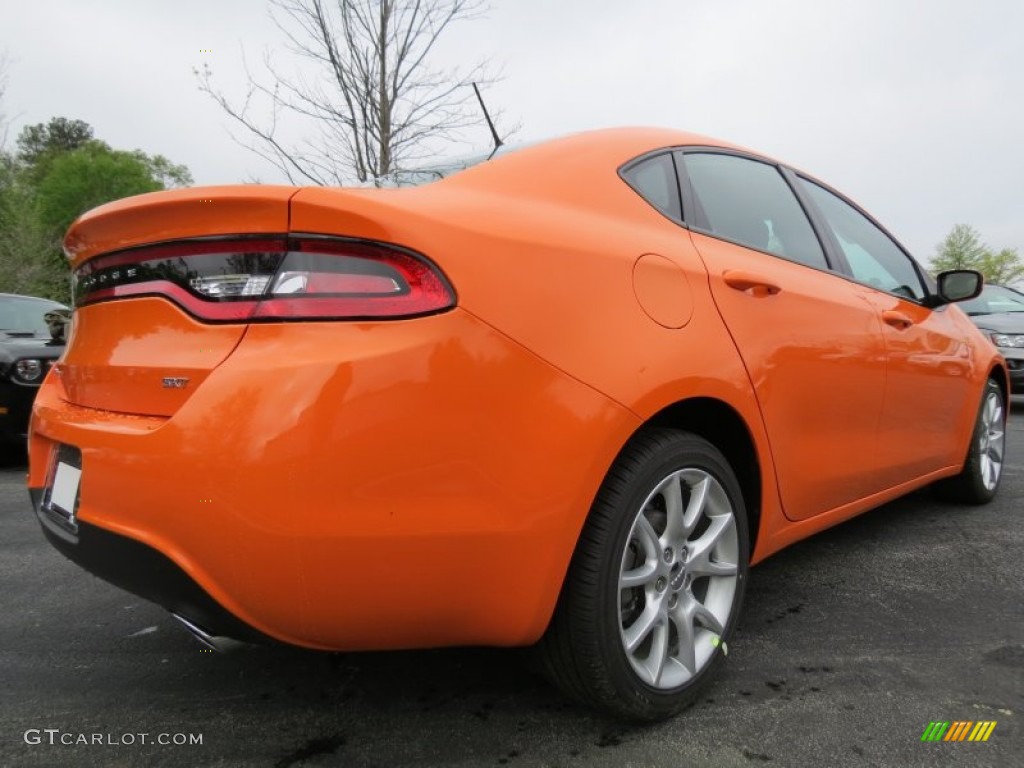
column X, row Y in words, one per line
column 63, row 483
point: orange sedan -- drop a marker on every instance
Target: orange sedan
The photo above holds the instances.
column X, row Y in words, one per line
column 564, row 397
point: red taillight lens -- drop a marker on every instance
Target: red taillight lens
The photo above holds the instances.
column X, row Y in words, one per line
column 323, row 277
column 300, row 278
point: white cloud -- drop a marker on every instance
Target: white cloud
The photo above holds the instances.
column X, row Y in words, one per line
column 914, row 109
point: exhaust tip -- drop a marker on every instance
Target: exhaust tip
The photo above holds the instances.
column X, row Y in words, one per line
column 215, row 642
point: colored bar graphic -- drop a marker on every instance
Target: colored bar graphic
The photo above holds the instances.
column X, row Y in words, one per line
column 958, row 730
column 982, row 731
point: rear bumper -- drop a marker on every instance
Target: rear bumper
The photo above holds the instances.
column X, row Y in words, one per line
column 143, row 571
column 346, row 486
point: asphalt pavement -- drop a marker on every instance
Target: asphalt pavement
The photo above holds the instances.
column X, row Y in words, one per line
column 852, row 643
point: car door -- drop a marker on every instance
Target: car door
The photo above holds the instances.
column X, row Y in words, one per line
column 810, row 339
column 928, row 359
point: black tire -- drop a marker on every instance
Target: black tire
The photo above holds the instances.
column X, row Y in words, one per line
column 584, row 650
column 974, row 484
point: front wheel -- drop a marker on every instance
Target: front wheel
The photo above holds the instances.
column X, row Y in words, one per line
column 656, row 584
column 979, row 480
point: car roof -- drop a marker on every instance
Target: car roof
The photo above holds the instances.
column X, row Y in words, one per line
column 617, row 145
column 560, row 169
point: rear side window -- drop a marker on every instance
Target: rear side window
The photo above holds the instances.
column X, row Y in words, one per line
column 750, row 202
column 655, row 180
column 872, row 255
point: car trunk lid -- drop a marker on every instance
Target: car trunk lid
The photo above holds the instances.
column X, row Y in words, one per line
column 141, row 353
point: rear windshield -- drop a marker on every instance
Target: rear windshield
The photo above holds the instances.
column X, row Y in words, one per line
column 415, row 177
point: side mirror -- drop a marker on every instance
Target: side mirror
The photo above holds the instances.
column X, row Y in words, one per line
column 959, row 285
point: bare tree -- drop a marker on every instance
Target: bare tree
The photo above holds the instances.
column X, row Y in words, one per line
column 374, row 102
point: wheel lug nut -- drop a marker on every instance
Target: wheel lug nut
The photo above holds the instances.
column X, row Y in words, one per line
column 660, row 584
column 668, row 555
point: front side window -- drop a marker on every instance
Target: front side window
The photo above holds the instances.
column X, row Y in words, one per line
column 655, row 180
column 750, row 202
column 872, row 255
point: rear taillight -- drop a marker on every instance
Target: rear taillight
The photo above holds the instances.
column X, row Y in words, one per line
column 251, row 279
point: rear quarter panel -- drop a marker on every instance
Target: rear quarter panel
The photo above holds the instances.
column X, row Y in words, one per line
column 547, row 257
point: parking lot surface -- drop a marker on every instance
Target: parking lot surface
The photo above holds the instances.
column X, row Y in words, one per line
column 852, row 643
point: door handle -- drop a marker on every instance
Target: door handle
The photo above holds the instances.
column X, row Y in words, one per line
column 750, row 282
column 897, row 320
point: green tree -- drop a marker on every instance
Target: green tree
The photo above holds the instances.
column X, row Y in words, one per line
column 163, row 170
column 86, row 177
column 37, row 143
column 60, row 134
column 963, row 249
column 1002, row 267
column 59, row 173
column 19, row 271
column 22, row 239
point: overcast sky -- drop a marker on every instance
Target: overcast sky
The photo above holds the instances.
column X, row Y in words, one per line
column 914, row 108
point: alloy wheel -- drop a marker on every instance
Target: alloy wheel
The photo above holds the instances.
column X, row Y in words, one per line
column 678, row 578
column 991, row 440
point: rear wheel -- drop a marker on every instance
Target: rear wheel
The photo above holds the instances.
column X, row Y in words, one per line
column 979, row 480
column 656, row 583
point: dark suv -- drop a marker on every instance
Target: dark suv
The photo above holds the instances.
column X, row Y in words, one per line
column 31, row 339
